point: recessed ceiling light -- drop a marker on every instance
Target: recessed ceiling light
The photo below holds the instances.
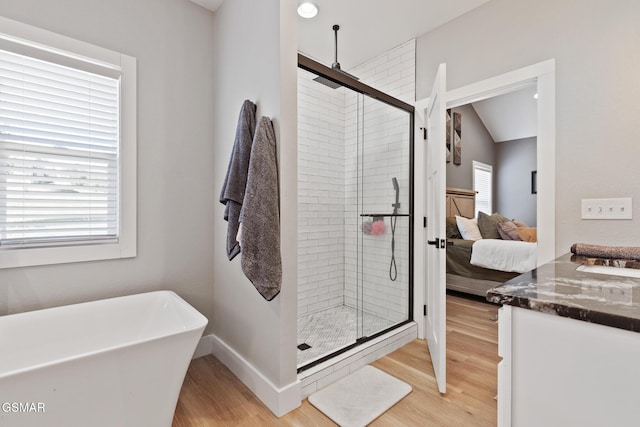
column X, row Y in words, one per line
column 535, row 95
column 307, row 10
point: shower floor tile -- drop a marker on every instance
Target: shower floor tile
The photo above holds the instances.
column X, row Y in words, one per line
column 329, row 330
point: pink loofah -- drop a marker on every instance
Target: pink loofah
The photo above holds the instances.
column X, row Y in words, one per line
column 377, row 228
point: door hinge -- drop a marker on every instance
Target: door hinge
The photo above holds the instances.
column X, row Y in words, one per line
column 425, row 309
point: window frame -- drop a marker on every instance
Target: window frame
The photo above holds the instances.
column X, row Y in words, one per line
column 18, row 37
column 486, row 168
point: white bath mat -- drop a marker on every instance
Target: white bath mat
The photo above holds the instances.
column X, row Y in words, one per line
column 360, row 397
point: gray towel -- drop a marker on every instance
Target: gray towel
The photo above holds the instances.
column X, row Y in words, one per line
column 260, row 216
column 603, row 251
column 233, row 190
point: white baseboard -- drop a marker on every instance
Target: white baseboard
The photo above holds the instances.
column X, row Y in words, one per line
column 279, row 400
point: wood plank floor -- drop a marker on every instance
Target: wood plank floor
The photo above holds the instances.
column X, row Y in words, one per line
column 213, row 396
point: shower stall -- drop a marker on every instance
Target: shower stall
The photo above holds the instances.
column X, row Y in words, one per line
column 355, row 212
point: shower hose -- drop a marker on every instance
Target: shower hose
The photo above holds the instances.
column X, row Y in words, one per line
column 393, row 270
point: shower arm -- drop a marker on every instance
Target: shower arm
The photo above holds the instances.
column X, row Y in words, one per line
column 336, row 64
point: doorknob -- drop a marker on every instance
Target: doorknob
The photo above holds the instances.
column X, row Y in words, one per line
column 438, row 243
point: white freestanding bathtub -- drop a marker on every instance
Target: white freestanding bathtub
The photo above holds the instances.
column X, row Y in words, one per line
column 113, row 362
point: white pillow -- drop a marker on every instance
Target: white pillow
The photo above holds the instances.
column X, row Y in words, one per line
column 468, row 228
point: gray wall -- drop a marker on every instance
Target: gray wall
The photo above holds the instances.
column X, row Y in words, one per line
column 194, row 70
column 477, row 145
column 515, row 160
column 512, row 163
column 594, row 43
column 171, row 40
column 254, row 62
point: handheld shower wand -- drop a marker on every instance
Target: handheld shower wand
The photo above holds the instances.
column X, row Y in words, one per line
column 396, row 205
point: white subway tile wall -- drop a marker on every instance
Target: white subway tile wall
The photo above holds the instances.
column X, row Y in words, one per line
column 321, row 192
column 349, row 149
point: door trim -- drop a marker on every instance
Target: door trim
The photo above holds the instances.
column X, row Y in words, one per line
column 541, row 74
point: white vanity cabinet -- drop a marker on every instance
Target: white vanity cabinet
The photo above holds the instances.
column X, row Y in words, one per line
column 558, row 371
column 570, row 348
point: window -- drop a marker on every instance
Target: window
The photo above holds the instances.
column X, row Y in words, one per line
column 67, row 149
column 483, row 186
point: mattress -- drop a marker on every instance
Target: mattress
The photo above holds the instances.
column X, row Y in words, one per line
column 458, row 263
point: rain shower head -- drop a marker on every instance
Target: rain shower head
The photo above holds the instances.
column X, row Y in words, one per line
column 333, row 85
column 325, row 81
column 335, row 66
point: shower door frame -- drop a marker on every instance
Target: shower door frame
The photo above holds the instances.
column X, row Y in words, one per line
column 319, row 69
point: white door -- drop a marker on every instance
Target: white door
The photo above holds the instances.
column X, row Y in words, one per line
column 435, row 328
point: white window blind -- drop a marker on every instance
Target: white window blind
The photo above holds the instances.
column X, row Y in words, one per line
column 59, row 134
column 483, row 184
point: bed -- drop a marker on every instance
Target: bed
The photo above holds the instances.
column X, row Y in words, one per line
column 476, row 273
column 462, row 276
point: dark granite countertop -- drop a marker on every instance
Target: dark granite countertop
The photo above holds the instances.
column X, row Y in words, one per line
column 557, row 288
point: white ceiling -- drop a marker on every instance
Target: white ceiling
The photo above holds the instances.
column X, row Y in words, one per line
column 510, row 116
column 371, row 27
column 367, row 27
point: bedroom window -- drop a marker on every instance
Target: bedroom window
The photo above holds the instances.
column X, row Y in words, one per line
column 67, row 149
column 483, row 186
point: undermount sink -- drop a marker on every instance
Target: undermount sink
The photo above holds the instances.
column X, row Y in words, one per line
column 611, row 271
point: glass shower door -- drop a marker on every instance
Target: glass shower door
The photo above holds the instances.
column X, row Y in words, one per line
column 383, row 205
column 354, row 163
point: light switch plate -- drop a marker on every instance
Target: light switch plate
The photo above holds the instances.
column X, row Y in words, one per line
column 620, row 208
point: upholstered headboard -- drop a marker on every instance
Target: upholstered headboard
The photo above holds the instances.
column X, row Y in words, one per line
column 461, row 202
